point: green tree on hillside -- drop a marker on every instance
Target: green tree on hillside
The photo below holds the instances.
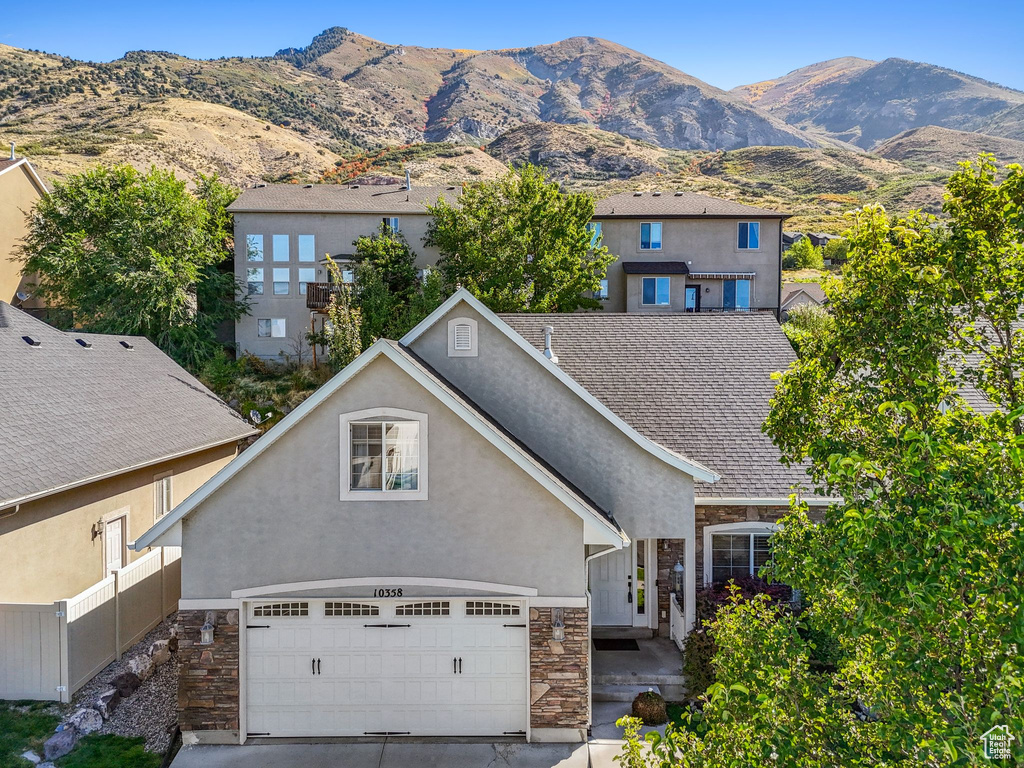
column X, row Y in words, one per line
column 520, row 244
column 917, row 569
column 131, row 253
column 803, row 255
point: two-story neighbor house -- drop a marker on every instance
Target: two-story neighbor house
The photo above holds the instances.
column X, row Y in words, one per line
column 283, row 232
column 423, row 546
column 680, row 251
column 20, row 188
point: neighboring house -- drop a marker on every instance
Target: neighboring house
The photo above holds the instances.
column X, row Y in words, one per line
column 283, row 232
column 797, row 294
column 684, row 252
column 423, row 546
column 100, row 436
column 20, row 188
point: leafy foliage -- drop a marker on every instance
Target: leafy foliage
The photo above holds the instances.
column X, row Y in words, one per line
column 344, row 337
column 132, row 253
column 806, row 325
column 803, row 255
column 520, row 244
column 836, row 250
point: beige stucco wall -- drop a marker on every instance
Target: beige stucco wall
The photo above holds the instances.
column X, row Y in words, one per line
column 707, row 245
column 280, row 520
column 47, row 550
column 647, row 497
column 334, row 234
column 17, row 196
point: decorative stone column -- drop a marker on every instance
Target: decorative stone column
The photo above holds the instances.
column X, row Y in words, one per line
column 559, row 684
column 208, row 695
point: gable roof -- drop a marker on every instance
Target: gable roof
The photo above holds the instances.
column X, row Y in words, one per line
column 74, row 414
column 23, row 163
column 340, row 198
column 698, row 384
column 676, row 204
column 812, row 290
column 672, row 458
column 594, row 518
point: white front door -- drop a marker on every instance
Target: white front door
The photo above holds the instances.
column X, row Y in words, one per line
column 113, row 545
column 612, row 589
column 423, row 667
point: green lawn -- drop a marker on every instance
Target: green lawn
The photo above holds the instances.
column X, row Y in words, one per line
column 26, row 725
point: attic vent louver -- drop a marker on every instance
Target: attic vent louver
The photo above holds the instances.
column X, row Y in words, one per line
column 126, row 345
column 84, row 343
column 31, row 342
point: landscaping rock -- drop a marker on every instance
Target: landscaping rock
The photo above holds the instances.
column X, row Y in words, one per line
column 161, row 656
column 141, row 665
column 126, row 683
column 32, row 757
column 86, row 721
column 172, row 643
column 107, row 702
column 61, row 743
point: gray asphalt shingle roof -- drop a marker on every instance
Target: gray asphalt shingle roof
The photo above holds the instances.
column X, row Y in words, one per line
column 676, row 203
column 70, row 413
column 340, row 198
column 696, row 384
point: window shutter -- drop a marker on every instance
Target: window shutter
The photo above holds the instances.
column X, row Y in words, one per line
column 463, row 337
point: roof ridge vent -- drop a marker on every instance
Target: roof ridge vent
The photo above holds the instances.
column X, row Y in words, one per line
column 84, row 343
column 32, row 342
column 126, row 345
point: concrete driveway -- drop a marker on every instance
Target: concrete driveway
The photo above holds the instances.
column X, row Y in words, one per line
column 405, row 754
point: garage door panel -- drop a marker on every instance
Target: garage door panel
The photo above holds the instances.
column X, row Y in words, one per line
column 438, row 670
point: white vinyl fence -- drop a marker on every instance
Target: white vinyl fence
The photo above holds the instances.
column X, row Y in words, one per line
column 677, row 622
column 48, row 651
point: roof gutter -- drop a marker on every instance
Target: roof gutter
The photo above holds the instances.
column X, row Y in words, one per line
column 759, row 501
column 114, row 473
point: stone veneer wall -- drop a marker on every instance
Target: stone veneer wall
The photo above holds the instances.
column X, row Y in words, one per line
column 208, row 681
column 716, row 515
column 559, row 685
column 667, row 559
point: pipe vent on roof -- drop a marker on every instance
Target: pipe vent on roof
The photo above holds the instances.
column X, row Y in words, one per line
column 354, row 186
column 656, row 194
column 678, row 193
column 84, row 343
column 260, row 186
column 126, row 345
column 307, row 186
column 31, row 342
column 548, row 352
column 638, row 194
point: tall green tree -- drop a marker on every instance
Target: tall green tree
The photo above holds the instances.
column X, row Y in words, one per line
column 130, row 253
column 520, row 244
column 344, row 334
column 803, row 254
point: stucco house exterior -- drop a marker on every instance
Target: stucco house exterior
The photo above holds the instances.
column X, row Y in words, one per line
column 426, row 544
column 99, row 437
column 20, row 188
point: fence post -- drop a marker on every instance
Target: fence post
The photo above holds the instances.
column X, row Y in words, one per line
column 117, row 613
column 163, row 584
column 64, row 678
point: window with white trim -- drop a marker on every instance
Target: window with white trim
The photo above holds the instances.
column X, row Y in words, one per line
column 430, row 608
column 268, row 610
column 602, row 292
column 163, row 500
column 655, row 291
column 736, row 294
column 351, row 609
column 391, row 223
column 650, row 236
column 385, row 456
column 270, row 328
column 491, row 608
column 748, row 235
column 734, row 555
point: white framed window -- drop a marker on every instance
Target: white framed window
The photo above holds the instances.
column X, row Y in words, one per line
column 270, row 328
column 348, row 276
column 254, row 247
column 650, row 236
column 307, row 248
column 602, row 292
column 462, row 337
column 384, row 455
column 748, row 236
column 254, row 281
column 655, row 291
column 281, row 252
column 392, row 223
column 594, row 228
column 732, row 550
column 306, row 275
column 282, row 281
column 163, row 496
column 736, row 294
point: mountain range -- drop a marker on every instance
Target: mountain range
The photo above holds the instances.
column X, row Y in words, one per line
column 597, row 114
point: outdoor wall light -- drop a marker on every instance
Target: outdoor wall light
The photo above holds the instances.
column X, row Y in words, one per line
column 677, row 578
column 557, row 624
column 206, row 631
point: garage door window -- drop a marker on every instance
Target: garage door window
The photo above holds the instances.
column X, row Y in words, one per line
column 432, row 608
column 281, row 609
column 488, row 608
column 351, row 609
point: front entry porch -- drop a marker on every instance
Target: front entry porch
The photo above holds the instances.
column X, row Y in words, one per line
column 622, row 587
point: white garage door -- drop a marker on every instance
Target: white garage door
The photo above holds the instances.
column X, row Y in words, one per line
column 345, row 667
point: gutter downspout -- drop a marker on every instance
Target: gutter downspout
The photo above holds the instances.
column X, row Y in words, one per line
column 778, row 305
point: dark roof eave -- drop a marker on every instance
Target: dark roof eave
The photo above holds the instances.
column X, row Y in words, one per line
column 655, row 215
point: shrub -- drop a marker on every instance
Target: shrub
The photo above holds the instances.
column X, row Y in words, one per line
column 698, row 650
column 803, row 255
column 650, row 707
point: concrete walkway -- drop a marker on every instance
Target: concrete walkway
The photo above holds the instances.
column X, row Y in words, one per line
column 599, row 753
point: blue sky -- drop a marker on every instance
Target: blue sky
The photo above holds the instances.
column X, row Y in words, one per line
column 724, row 44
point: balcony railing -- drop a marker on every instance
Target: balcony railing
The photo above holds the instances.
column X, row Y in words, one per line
column 318, row 295
column 704, row 308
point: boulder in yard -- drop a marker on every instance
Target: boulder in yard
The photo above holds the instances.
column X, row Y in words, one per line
column 32, row 757
column 172, row 643
column 161, row 656
column 107, row 702
column 126, row 683
column 61, row 743
column 141, row 665
column 86, row 721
